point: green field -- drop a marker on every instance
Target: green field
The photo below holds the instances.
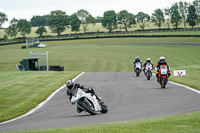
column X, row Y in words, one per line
column 21, row 91
column 98, row 28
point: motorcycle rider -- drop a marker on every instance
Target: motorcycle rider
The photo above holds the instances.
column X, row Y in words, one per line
column 161, row 62
column 71, row 86
column 137, row 59
column 148, row 60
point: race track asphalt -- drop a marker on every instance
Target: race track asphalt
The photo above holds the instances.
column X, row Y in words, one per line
column 128, row 98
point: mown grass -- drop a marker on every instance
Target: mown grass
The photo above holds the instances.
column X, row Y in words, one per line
column 21, row 91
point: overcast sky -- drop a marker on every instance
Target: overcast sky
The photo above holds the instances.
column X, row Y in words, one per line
column 26, row 9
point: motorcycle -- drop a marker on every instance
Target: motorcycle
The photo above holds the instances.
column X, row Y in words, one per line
column 148, row 70
column 87, row 102
column 138, row 67
column 163, row 76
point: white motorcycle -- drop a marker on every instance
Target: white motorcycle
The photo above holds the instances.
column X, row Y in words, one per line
column 87, row 102
column 138, row 67
column 148, row 70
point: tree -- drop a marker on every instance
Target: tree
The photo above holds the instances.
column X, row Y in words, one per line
column 142, row 18
column 175, row 15
column 85, row 19
column 12, row 30
column 98, row 19
column 3, row 18
column 192, row 16
column 57, row 21
column 40, row 30
column 39, row 20
column 24, row 27
column 126, row 19
column 158, row 17
column 167, row 13
column 109, row 20
column 196, row 4
column 91, row 20
column 5, row 37
column 74, row 22
column 183, row 9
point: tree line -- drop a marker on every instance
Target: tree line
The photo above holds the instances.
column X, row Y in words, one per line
column 58, row 21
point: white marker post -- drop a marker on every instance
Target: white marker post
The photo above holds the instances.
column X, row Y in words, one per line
column 179, row 72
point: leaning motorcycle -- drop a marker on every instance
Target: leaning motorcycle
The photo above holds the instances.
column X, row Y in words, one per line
column 163, row 76
column 138, row 67
column 148, row 70
column 87, row 102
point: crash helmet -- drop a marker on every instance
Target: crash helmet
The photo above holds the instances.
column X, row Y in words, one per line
column 137, row 59
column 70, row 84
column 162, row 58
column 148, row 60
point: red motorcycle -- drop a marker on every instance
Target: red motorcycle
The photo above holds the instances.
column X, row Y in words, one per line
column 163, row 75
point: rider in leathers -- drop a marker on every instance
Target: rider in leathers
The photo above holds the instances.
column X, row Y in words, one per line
column 137, row 59
column 161, row 62
column 71, row 86
column 147, row 61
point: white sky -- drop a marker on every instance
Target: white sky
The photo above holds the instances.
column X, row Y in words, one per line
column 26, row 9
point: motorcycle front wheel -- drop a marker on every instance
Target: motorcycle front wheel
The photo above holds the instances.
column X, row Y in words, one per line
column 137, row 74
column 163, row 82
column 89, row 107
column 149, row 75
column 104, row 109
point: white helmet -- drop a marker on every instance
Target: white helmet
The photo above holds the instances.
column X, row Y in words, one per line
column 162, row 58
column 148, row 60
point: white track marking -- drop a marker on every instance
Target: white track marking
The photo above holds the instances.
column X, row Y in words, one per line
column 42, row 103
column 187, row 87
